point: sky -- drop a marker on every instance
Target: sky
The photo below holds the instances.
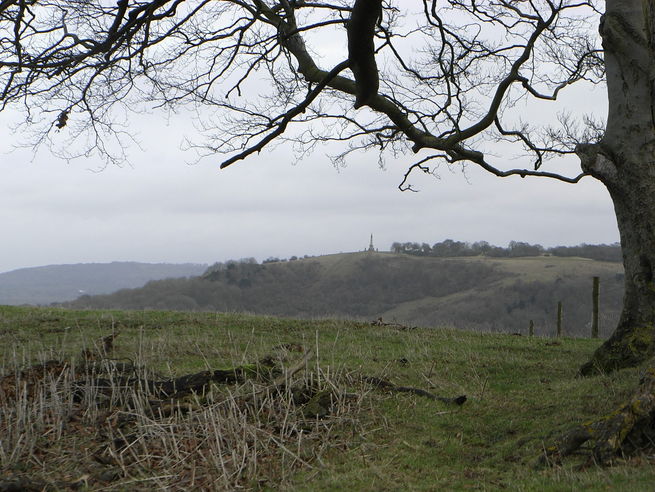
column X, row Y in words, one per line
column 165, row 208
column 161, row 208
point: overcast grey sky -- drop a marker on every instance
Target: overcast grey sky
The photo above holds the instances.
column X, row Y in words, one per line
column 161, row 209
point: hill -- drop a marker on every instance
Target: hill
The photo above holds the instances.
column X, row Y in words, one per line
column 58, row 283
column 90, row 425
column 480, row 293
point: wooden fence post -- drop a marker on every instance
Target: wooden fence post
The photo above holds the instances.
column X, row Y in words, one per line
column 559, row 319
column 531, row 328
column 594, row 316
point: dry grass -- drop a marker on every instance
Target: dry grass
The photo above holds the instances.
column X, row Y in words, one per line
column 101, row 424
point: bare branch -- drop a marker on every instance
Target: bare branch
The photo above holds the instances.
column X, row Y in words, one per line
column 288, row 116
column 449, row 75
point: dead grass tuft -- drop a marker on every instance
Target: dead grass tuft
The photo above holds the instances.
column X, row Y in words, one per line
column 109, row 424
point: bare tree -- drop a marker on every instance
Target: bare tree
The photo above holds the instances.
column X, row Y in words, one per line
column 446, row 79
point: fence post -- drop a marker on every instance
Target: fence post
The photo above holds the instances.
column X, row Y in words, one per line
column 594, row 316
column 559, row 319
column 531, row 328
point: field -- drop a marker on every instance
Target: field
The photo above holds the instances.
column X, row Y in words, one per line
column 302, row 405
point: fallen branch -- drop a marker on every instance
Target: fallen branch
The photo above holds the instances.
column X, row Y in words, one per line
column 381, row 322
column 389, row 386
column 172, row 391
column 282, row 380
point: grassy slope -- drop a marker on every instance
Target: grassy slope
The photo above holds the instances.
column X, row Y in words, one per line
column 529, row 269
column 543, row 269
column 532, row 268
column 522, row 392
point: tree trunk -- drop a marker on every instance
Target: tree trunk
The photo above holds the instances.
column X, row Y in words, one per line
column 632, row 341
column 624, row 160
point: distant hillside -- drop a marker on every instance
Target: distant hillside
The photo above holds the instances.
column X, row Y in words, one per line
column 481, row 293
column 59, row 283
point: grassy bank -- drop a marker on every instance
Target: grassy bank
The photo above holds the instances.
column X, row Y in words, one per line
column 522, row 392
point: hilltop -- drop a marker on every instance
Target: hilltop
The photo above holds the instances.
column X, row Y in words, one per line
column 58, row 283
column 480, row 293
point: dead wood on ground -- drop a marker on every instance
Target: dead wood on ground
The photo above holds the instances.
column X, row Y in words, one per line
column 389, row 386
column 381, row 322
column 627, row 430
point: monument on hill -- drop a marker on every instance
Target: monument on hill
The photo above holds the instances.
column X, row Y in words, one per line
column 370, row 246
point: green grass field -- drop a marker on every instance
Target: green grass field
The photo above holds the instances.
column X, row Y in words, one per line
column 522, row 393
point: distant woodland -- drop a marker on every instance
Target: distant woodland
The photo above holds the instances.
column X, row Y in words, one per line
column 516, row 249
column 473, row 292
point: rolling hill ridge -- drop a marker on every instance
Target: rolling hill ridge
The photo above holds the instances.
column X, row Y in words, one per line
column 479, row 293
column 58, row 283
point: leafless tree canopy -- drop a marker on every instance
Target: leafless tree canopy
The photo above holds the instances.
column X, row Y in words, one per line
column 265, row 71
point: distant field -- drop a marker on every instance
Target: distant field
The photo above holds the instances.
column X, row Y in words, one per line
column 545, row 268
column 259, row 433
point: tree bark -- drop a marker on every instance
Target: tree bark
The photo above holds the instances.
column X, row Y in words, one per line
column 632, row 341
column 624, row 160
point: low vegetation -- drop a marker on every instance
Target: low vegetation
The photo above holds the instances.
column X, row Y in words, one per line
column 135, row 400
